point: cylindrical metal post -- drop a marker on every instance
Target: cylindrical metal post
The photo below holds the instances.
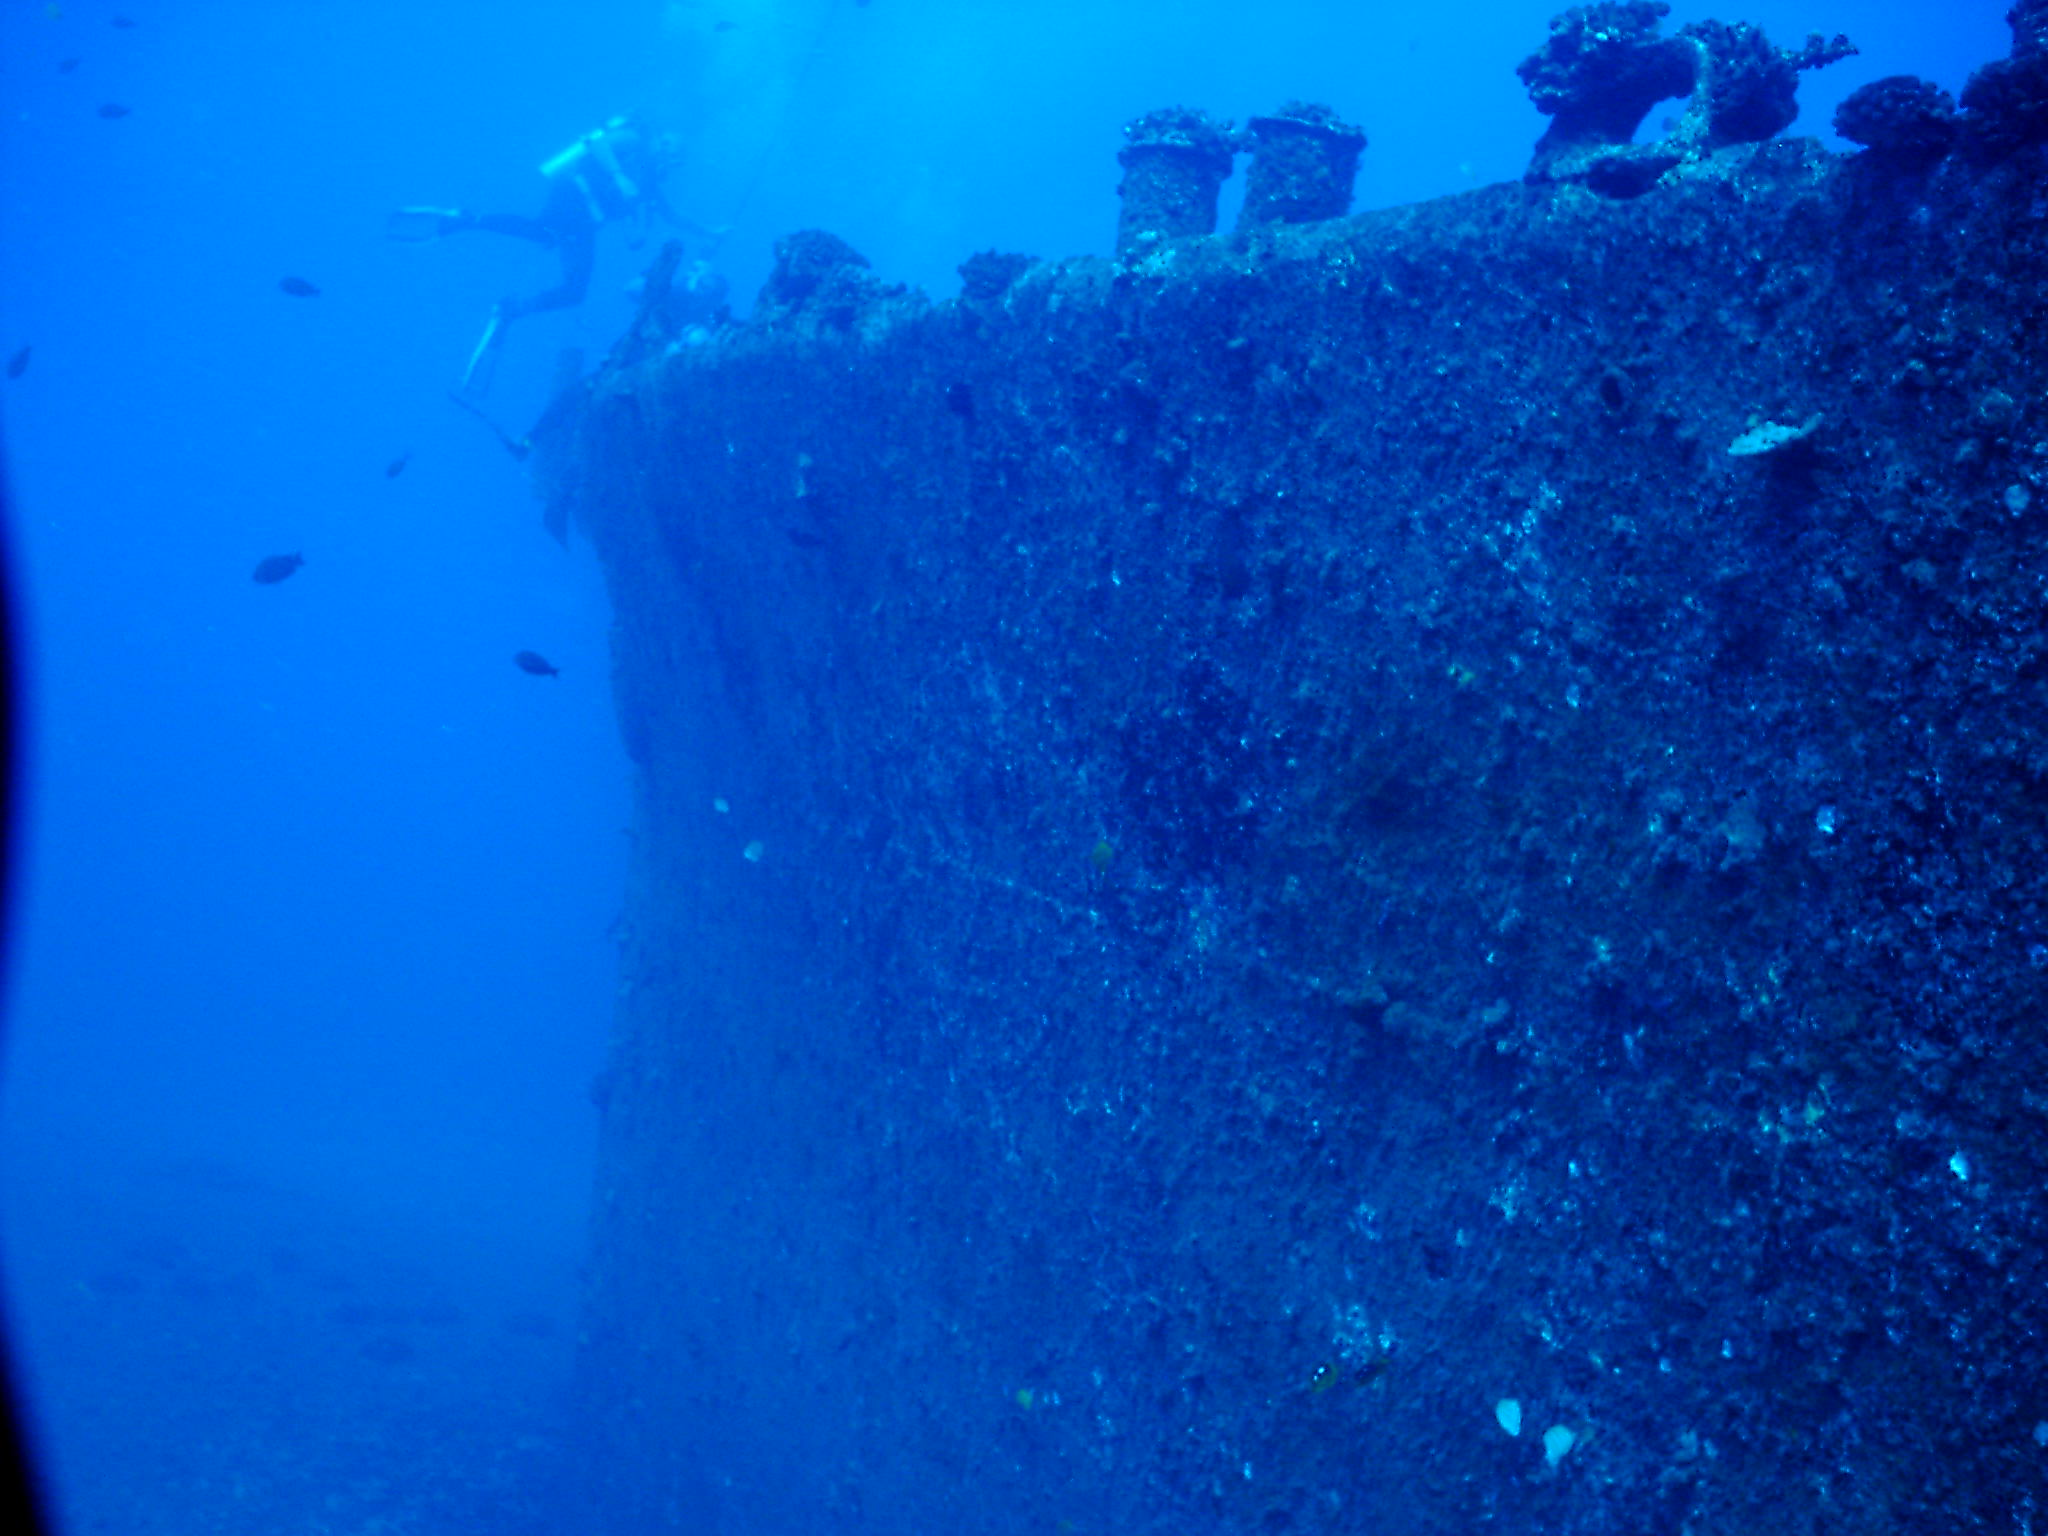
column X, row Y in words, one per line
column 1303, row 163
column 1174, row 167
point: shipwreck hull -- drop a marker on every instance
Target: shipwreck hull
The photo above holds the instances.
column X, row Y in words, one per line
column 1244, row 856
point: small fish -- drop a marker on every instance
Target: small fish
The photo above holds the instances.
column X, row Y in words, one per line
column 723, row 26
column 124, row 22
column 397, row 466
column 111, row 110
column 66, row 66
column 298, row 288
column 1363, row 1373
column 17, row 365
column 274, row 568
column 537, row 665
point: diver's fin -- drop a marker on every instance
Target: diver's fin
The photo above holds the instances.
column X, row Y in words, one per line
column 518, row 447
column 424, row 223
column 483, row 362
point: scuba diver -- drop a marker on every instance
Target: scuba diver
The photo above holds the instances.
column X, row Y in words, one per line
column 611, row 175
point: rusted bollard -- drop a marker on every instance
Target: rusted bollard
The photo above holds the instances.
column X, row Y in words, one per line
column 1174, row 166
column 1303, row 163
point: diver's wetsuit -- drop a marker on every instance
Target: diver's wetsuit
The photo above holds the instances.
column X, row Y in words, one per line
column 566, row 226
column 606, row 177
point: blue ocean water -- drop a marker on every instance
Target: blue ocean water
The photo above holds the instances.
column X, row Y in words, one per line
column 313, row 951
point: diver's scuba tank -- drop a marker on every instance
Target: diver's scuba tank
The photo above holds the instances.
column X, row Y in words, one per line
column 592, row 163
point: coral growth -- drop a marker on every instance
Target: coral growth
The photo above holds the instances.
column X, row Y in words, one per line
column 1747, row 88
column 1598, row 74
column 1604, row 66
column 1901, row 116
column 2007, row 100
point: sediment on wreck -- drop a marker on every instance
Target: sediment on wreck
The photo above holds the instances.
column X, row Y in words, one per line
column 1246, row 858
